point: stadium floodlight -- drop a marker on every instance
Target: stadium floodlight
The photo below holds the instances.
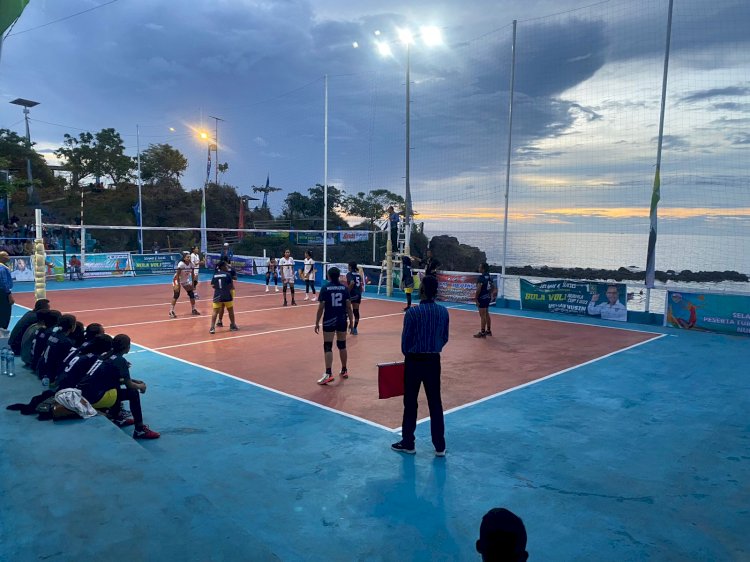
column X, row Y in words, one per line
column 384, row 49
column 431, row 35
column 26, row 104
column 355, row 45
column 405, row 36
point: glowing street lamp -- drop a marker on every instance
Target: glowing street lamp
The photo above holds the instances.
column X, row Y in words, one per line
column 430, row 36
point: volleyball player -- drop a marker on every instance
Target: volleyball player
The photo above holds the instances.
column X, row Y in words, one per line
column 184, row 278
column 485, row 292
column 407, row 279
column 334, row 307
column 233, row 274
column 286, row 264
column 272, row 269
column 223, row 284
column 308, row 274
column 354, row 284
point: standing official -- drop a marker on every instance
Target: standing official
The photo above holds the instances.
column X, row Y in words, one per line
column 423, row 338
column 6, row 288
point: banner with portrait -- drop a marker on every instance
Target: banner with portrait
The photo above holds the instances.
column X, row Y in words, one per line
column 605, row 300
column 728, row 314
column 108, row 265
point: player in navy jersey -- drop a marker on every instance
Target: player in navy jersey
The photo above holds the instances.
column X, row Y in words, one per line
column 486, row 290
column 233, row 274
column 59, row 344
column 223, row 285
column 334, row 308
column 354, row 284
column 407, row 279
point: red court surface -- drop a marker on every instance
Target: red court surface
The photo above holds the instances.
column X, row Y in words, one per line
column 276, row 346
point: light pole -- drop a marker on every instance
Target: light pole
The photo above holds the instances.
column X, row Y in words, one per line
column 140, row 188
column 216, row 145
column 204, row 234
column 26, row 104
column 430, row 36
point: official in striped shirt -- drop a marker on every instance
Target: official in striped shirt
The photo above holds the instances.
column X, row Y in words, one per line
column 423, row 338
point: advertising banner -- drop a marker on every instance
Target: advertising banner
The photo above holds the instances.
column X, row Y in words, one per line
column 144, row 264
column 606, row 300
column 243, row 265
column 21, row 268
column 314, row 238
column 354, row 236
column 459, row 287
column 729, row 314
column 108, row 265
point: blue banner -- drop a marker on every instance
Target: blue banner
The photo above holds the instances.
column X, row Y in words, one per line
column 144, row 264
column 729, row 314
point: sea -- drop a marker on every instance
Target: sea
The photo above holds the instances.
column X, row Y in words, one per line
column 612, row 251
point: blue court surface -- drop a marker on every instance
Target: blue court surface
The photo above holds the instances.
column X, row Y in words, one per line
column 641, row 455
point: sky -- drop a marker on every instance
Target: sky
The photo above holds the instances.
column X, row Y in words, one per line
column 586, row 106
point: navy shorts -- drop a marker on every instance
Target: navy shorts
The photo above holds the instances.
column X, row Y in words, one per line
column 355, row 299
column 335, row 325
column 483, row 303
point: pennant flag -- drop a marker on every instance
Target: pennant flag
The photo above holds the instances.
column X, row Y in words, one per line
column 651, row 258
column 208, row 166
column 10, row 10
column 137, row 212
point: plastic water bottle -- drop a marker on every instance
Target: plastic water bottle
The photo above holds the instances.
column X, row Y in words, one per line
column 10, row 364
column 4, row 361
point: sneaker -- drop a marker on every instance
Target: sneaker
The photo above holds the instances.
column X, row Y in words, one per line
column 277, row 289
column 488, row 333
column 325, row 379
column 294, row 303
column 220, row 324
column 212, row 330
column 307, row 298
column 481, row 334
column 145, row 433
column 267, row 288
column 354, row 332
column 123, row 422
column 401, row 448
column 439, row 453
column 172, row 314
column 344, row 374
column 196, row 313
column 233, row 327
column 314, row 299
column 284, row 303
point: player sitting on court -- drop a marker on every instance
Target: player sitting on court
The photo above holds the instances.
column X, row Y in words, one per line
column 223, row 285
column 184, row 278
column 49, row 319
column 334, row 307
column 59, row 344
column 103, row 388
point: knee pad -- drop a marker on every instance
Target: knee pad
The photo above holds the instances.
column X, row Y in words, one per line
column 341, row 344
column 327, row 346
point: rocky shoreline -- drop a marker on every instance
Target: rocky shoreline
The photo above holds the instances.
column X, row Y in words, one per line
column 624, row 274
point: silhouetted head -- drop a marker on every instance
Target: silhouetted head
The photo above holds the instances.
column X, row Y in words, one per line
column 429, row 287
column 121, row 344
column 502, row 537
column 333, row 274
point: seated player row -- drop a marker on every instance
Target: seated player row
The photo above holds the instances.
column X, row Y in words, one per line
column 64, row 355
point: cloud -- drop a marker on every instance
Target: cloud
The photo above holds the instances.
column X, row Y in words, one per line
column 716, row 93
column 260, row 141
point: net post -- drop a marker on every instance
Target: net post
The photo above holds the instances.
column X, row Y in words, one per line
column 389, row 265
column 40, row 259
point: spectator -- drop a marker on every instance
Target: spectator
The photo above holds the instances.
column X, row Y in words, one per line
column 155, row 247
column 502, row 537
column 6, row 288
column 75, row 269
column 424, row 335
column 226, row 253
column 23, row 324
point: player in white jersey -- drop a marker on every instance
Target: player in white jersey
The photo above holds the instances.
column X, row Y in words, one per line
column 308, row 274
column 195, row 261
column 184, row 278
column 286, row 264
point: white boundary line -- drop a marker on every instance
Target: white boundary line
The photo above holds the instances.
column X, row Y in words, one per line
column 162, row 304
column 552, row 375
column 280, row 330
column 202, row 316
column 269, row 389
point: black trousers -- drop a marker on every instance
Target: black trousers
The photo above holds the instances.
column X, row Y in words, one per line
column 423, row 369
column 310, row 285
column 5, row 309
column 134, row 397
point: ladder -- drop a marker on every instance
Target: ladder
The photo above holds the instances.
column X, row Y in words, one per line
column 398, row 252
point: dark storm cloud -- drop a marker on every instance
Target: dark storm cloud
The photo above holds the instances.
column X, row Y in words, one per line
column 716, row 93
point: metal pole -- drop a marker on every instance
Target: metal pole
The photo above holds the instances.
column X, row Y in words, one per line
column 325, row 175
column 656, row 195
column 216, row 146
column 30, row 188
column 507, row 162
column 407, row 222
column 140, row 188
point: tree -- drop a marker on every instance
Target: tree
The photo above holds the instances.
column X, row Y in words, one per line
column 100, row 155
column 371, row 206
column 162, row 163
column 15, row 152
column 310, row 207
column 222, row 169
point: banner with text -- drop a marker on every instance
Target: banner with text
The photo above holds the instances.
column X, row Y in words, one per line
column 729, row 314
column 144, row 264
column 243, row 265
column 460, row 287
column 108, row 265
column 606, row 300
